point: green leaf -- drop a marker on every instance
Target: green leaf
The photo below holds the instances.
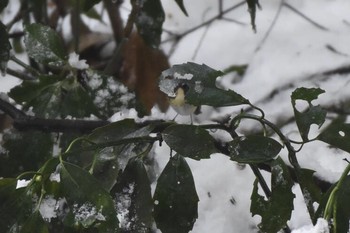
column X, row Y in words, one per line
column 109, row 161
column 35, row 223
column 175, row 198
column 252, row 4
column 337, row 134
column 180, row 3
column 24, row 151
column 133, row 197
column 149, row 20
column 90, row 204
column 52, row 97
column 313, row 115
column 253, row 149
column 342, row 206
column 308, row 185
column 277, row 210
column 44, row 45
column 16, row 205
column 189, row 141
column 5, row 48
column 201, row 83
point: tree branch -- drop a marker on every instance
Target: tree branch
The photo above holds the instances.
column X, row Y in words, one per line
column 22, row 121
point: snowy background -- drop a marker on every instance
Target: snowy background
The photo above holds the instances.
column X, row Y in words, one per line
column 295, row 54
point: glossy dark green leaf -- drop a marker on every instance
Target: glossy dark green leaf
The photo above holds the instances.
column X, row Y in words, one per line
column 5, row 48
column 180, row 3
column 35, row 223
column 44, row 45
column 16, row 205
column 90, row 204
column 309, row 187
column 24, row 151
column 49, row 96
column 9, row 207
column 133, row 198
column 313, row 115
column 252, row 4
column 189, row 141
column 201, row 83
column 3, row 4
column 175, row 198
column 277, row 210
column 254, row 149
column 149, row 20
column 337, row 134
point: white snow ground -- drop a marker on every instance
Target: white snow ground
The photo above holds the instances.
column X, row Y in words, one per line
column 294, row 50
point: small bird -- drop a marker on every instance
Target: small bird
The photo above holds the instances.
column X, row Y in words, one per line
column 178, row 103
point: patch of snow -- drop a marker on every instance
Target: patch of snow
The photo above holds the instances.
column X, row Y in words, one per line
column 22, row 183
column 320, row 227
column 74, row 62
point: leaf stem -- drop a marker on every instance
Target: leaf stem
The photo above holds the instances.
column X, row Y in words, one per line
column 29, row 68
column 330, row 206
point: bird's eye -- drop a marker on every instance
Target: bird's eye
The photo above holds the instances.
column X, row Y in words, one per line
column 184, row 86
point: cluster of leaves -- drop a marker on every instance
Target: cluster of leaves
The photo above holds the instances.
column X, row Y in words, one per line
column 102, row 181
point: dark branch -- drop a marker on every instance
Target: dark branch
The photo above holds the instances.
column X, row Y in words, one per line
column 22, row 121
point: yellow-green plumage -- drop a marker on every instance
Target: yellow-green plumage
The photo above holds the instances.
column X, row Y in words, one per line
column 179, row 103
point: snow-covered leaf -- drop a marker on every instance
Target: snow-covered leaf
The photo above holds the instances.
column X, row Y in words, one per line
column 201, row 83
column 312, row 115
column 189, row 141
column 149, row 20
column 175, row 197
column 108, row 94
column 337, row 134
column 89, row 203
column 254, row 149
column 44, row 45
column 132, row 195
column 109, row 161
column 5, row 48
column 52, row 97
column 277, row 210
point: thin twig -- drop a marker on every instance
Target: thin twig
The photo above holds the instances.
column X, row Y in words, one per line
column 271, row 26
column 209, row 21
column 20, row 75
column 306, row 17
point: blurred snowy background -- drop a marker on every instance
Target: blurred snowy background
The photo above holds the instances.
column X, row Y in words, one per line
column 297, row 44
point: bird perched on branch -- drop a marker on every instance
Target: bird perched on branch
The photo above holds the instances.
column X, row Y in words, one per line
column 178, row 103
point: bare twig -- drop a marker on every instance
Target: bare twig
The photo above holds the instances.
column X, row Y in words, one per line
column 271, row 26
column 306, row 17
column 207, row 22
column 20, row 75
